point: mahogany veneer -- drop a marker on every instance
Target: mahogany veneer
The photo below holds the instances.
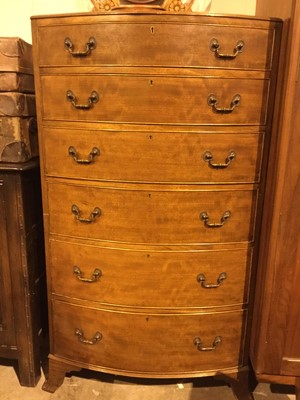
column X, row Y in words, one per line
column 154, row 145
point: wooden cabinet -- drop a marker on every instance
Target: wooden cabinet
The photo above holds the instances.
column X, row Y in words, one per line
column 22, row 271
column 154, row 131
column 275, row 349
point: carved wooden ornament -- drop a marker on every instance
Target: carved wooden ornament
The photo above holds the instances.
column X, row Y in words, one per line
column 172, row 6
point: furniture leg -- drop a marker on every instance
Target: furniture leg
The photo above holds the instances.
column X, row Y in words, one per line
column 56, row 375
column 239, row 383
column 29, row 375
column 297, row 388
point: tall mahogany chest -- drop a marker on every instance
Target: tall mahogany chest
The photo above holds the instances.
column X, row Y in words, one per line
column 154, row 127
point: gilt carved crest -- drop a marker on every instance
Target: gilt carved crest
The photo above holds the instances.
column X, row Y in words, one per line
column 172, row 6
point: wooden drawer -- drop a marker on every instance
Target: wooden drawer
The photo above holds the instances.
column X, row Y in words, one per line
column 152, row 215
column 148, row 344
column 146, row 156
column 156, row 44
column 161, row 278
column 154, row 99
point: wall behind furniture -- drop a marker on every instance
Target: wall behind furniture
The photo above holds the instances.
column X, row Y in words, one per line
column 15, row 15
column 244, row 7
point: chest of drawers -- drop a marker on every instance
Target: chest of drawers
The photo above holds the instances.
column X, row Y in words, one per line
column 154, row 131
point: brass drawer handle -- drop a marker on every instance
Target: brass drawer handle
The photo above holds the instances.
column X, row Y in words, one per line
column 215, row 47
column 97, row 337
column 202, row 279
column 205, row 218
column 94, row 214
column 208, row 157
column 79, row 275
column 93, row 99
column 212, row 101
column 90, row 158
column 215, row 344
column 90, row 45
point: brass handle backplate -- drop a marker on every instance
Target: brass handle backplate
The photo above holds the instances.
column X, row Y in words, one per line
column 198, row 343
column 208, row 157
column 215, row 47
column 93, row 99
column 90, row 158
column 90, row 45
column 77, row 213
column 96, row 338
column 202, row 279
column 205, row 218
column 212, row 101
column 79, row 275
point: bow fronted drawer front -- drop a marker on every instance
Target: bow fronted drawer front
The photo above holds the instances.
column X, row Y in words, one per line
column 180, row 279
column 196, row 157
column 149, row 216
column 154, row 99
column 91, row 335
column 168, row 42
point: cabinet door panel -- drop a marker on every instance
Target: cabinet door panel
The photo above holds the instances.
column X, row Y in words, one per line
column 291, row 358
column 7, row 336
column 290, row 240
column 275, row 340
